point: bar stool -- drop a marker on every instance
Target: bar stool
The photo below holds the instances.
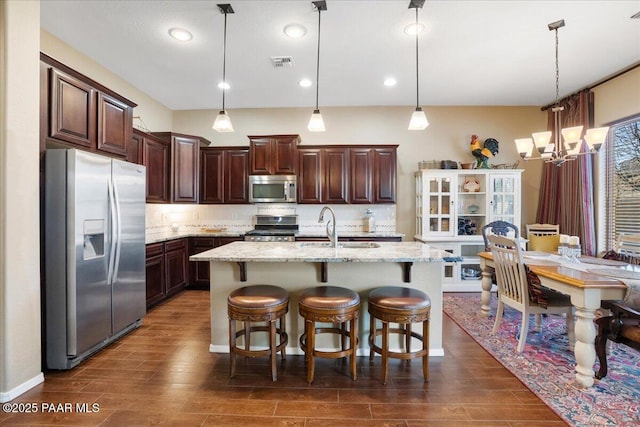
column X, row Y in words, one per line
column 258, row 303
column 329, row 304
column 404, row 306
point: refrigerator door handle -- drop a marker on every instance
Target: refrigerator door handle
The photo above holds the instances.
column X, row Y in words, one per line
column 112, row 246
column 118, row 233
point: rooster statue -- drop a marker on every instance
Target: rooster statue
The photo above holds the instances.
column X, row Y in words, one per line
column 482, row 154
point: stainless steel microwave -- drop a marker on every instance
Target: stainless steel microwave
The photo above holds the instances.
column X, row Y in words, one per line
column 272, row 189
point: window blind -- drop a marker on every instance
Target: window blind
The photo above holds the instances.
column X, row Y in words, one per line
column 623, row 179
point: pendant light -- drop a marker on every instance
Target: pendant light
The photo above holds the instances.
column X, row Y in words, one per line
column 557, row 152
column 316, row 124
column 223, row 121
column 418, row 118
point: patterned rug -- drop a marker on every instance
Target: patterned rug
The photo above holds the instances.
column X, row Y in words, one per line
column 547, row 366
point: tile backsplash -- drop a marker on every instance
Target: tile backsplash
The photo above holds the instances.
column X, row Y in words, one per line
column 240, row 218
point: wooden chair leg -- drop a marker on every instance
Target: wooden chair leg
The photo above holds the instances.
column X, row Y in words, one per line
column 232, row 346
column 273, row 354
column 385, row 350
column 372, row 337
column 353, row 338
column 283, row 333
column 311, row 345
column 601, row 345
column 425, row 346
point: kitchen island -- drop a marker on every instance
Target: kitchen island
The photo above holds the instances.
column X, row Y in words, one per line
column 295, row 266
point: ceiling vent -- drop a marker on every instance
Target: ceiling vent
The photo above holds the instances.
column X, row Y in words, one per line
column 282, row 61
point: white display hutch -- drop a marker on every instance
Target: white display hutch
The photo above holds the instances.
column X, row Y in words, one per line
column 453, row 205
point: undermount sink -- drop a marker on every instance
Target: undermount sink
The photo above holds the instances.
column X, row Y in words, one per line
column 344, row 245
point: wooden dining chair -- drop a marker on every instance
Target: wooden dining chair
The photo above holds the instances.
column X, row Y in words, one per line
column 516, row 291
column 501, row 228
column 542, row 229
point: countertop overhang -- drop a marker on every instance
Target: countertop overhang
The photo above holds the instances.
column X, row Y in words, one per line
column 303, row 252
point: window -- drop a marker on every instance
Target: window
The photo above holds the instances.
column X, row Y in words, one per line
column 622, row 179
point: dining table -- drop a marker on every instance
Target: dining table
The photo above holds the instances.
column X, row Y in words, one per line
column 587, row 280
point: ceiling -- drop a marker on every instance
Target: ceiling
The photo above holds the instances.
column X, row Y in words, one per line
column 472, row 53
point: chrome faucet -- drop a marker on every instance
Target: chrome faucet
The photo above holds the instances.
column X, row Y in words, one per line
column 332, row 234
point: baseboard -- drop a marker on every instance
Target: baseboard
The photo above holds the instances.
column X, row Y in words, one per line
column 22, row 388
column 296, row 351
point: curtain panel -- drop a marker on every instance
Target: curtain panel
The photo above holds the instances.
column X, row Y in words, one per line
column 566, row 191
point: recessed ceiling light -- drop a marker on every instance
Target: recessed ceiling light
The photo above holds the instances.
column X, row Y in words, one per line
column 295, row 31
column 414, row 28
column 224, row 85
column 305, row 83
column 180, row 34
column 390, row 81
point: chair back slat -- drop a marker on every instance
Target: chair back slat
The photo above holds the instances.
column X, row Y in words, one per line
column 511, row 275
column 500, row 228
column 543, row 229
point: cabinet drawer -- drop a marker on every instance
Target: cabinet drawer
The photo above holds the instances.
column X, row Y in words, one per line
column 175, row 245
column 154, row 249
column 206, row 242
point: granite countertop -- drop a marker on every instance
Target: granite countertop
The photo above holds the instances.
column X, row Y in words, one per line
column 163, row 236
column 317, row 252
column 172, row 235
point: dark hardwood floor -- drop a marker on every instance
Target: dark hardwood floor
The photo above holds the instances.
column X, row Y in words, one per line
column 163, row 374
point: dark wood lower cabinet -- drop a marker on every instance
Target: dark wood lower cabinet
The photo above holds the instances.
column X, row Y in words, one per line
column 199, row 271
column 166, row 270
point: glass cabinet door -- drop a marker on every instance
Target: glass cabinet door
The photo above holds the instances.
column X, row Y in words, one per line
column 504, row 193
column 440, row 205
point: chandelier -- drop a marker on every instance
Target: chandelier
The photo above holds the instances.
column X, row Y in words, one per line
column 570, row 147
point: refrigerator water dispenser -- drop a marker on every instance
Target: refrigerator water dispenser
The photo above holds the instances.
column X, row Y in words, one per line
column 93, row 238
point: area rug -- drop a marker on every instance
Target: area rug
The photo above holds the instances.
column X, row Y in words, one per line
column 547, row 365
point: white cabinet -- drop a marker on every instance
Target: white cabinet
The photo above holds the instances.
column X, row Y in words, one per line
column 452, row 206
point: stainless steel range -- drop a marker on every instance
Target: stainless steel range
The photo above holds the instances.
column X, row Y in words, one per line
column 273, row 228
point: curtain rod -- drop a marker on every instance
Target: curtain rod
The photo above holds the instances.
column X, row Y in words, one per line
column 597, row 83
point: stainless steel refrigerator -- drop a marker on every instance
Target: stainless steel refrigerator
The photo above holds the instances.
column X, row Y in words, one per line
column 94, row 253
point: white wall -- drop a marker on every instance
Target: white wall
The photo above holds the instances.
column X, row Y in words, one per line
column 20, row 366
column 618, row 98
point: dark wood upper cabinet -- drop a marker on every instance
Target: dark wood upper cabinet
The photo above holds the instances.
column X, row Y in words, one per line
column 361, row 175
column 323, row 175
column 135, row 149
column 185, row 157
column 224, row 175
column 156, row 157
column 384, row 178
column 72, row 109
column 79, row 112
column 114, row 125
column 273, row 154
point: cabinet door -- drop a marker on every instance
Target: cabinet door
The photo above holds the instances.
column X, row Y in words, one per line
column 236, row 163
column 310, row 176
column 114, row 125
column 155, row 273
column 72, row 110
column 285, row 155
column 211, row 176
column 199, row 270
column 156, row 160
column 361, row 174
column 260, row 156
column 336, row 175
column 439, row 193
column 504, row 198
column 384, row 177
column 184, row 169
column 176, row 267
column 135, row 149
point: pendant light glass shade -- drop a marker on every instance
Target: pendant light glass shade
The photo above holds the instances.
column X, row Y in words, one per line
column 596, row 137
column 316, row 124
column 418, row 120
column 223, row 122
column 525, row 147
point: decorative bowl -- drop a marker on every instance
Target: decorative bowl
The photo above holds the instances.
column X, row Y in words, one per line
column 473, row 209
column 470, row 273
